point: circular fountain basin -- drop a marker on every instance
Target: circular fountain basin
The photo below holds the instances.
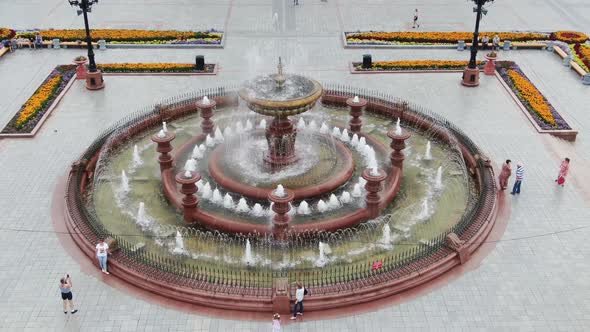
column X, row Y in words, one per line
column 298, row 94
column 326, row 165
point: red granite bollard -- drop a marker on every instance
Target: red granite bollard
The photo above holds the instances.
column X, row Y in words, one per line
column 281, row 207
column 206, row 109
column 164, row 147
column 373, row 188
column 188, row 187
column 397, row 144
column 356, row 111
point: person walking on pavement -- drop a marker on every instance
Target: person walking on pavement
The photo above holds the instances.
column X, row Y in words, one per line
column 65, row 287
column 296, row 2
column 415, row 19
column 519, row 178
column 102, row 254
column 505, row 174
column 564, row 168
column 299, row 294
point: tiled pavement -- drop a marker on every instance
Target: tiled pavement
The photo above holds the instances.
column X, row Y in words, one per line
column 535, row 278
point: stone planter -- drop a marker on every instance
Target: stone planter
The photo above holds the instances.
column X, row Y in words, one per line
column 80, row 69
column 490, row 67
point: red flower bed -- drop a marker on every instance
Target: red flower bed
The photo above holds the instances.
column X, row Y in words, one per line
column 569, row 37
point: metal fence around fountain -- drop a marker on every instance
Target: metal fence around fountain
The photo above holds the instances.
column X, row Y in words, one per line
column 258, row 281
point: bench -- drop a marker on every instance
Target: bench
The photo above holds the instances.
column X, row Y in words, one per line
column 521, row 45
column 4, row 50
column 76, row 44
column 31, row 44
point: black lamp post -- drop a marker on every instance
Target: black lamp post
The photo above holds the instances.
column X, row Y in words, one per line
column 471, row 73
column 94, row 79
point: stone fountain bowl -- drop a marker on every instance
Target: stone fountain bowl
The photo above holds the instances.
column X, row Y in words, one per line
column 297, row 95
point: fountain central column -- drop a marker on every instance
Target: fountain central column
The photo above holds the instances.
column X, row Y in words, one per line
column 281, row 135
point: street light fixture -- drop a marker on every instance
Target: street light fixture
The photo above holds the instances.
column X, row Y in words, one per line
column 471, row 72
column 94, row 79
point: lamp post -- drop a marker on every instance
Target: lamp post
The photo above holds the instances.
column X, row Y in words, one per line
column 94, row 79
column 471, row 72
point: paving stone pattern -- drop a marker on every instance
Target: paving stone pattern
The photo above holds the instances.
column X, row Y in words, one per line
column 536, row 277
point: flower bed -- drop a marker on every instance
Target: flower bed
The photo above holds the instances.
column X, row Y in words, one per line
column 6, row 33
column 413, row 37
column 153, row 68
column 122, row 36
column 412, row 65
column 581, row 54
column 570, row 37
column 536, row 104
column 33, row 110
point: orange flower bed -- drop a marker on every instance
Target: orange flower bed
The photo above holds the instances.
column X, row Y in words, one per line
column 531, row 96
column 582, row 52
column 147, row 67
column 440, row 37
column 124, row 35
column 6, row 33
column 570, row 37
column 38, row 100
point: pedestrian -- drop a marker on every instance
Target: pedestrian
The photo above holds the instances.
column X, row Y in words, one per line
column 484, row 42
column 276, row 323
column 298, row 307
column 38, row 40
column 505, row 174
column 564, row 168
column 102, row 254
column 496, row 43
column 519, row 178
column 65, row 287
column 295, row 2
column 415, row 19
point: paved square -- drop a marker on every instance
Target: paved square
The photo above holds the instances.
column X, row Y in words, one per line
column 536, row 278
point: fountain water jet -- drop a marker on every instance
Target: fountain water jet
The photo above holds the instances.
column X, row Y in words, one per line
column 324, row 128
column 386, row 237
column 248, row 258
column 313, row 126
column 322, row 206
column 345, row 197
column 257, row 210
column 427, row 153
column 344, row 137
column 398, row 127
column 423, row 210
column 136, row 157
column 124, row 182
column 228, row 132
column 301, row 124
column 164, row 127
column 179, row 244
column 336, row 132
column 228, row 202
column 218, row 136
column 197, row 153
column 216, row 197
column 356, row 191
column 190, row 165
column 333, row 203
column 209, row 141
column 438, row 179
column 142, row 219
column 262, row 124
column 242, row 206
column 355, row 140
column 207, row 191
column 303, row 208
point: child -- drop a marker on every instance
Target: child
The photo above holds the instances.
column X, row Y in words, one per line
column 563, row 170
column 276, row 323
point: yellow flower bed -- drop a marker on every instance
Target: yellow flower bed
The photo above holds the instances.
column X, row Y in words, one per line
column 6, row 33
column 126, row 35
column 420, row 64
column 532, row 96
column 38, row 100
column 441, row 37
column 147, row 67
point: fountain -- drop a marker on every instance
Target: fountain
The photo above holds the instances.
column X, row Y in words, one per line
column 228, row 202
column 242, row 206
column 190, row 165
column 438, row 179
column 248, row 258
column 427, row 153
column 276, row 96
column 142, row 218
column 197, row 153
column 236, row 184
column 136, row 157
column 386, row 238
column 303, row 208
column 124, row 182
column 179, row 244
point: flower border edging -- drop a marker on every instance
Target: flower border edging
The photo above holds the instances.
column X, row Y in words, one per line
column 566, row 134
